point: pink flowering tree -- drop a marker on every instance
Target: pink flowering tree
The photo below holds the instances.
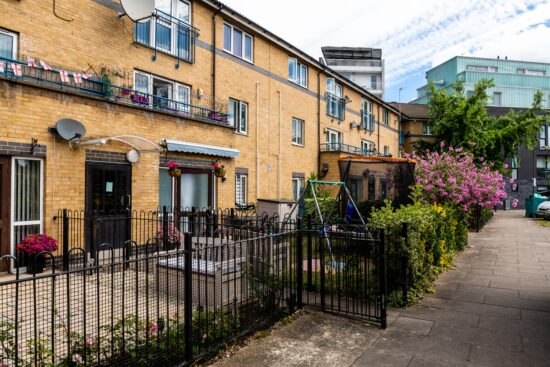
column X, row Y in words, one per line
column 457, row 177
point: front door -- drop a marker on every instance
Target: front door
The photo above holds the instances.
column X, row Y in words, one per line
column 108, row 203
column 4, row 211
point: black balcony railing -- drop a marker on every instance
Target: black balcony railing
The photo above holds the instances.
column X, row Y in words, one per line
column 346, row 148
column 101, row 89
column 167, row 34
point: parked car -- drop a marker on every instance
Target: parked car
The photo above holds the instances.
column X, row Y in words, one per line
column 543, row 210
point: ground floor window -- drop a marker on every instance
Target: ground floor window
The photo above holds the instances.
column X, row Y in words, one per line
column 27, row 198
column 166, row 189
column 241, row 189
column 297, row 185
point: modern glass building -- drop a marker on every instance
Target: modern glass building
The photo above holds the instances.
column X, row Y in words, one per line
column 515, row 81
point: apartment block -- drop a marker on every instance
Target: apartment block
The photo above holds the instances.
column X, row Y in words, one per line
column 194, row 84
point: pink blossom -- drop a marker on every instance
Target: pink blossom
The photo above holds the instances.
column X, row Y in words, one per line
column 515, row 203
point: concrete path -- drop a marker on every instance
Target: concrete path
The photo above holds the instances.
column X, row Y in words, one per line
column 492, row 310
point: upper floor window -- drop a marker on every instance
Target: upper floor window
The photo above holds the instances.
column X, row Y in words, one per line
column 165, row 94
column 334, row 140
column 170, row 31
column 335, row 103
column 8, row 44
column 386, row 150
column 426, row 129
column 297, row 131
column 497, row 96
column 532, row 72
column 489, row 69
column 367, row 121
column 297, row 72
column 375, row 82
column 385, row 117
column 238, row 43
column 238, row 115
column 367, row 146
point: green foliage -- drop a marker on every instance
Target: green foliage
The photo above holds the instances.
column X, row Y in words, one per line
column 459, row 120
column 434, row 234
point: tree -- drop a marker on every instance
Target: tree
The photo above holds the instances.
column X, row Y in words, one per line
column 463, row 122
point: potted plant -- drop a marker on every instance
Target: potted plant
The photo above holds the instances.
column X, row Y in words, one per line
column 34, row 244
column 174, row 169
column 173, row 237
column 219, row 170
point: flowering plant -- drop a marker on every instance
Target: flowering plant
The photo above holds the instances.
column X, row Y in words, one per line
column 455, row 176
column 36, row 243
column 174, row 169
column 219, row 170
column 172, row 233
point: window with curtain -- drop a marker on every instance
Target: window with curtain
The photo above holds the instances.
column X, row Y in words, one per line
column 8, row 44
column 238, row 115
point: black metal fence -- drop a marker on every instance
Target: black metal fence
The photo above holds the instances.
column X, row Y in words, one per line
column 156, row 305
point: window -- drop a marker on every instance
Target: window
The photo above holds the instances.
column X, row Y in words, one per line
column 297, row 132
column 371, row 188
column 335, row 103
column 8, row 44
column 426, row 129
column 166, row 93
column 170, row 31
column 532, row 72
column 297, row 185
column 514, row 167
column 367, row 121
column 297, row 73
column 489, row 69
column 238, row 115
column 334, row 140
column 238, row 43
column 355, row 189
column 497, row 96
column 469, row 93
column 165, row 189
column 543, row 167
column 383, row 189
column 544, row 137
column 385, row 117
column 374, row 84
column 241, row 189
column 367, row 147
column 386, row 150
column 27, row 197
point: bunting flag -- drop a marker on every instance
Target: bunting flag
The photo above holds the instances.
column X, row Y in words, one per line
column 64, row 76
column 44, row 65
column 16, row 68
column 31, row 62
column 2, row 67
column 77, row 78
column 86, row 76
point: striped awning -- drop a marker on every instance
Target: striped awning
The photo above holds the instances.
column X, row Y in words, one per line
column 195, row 148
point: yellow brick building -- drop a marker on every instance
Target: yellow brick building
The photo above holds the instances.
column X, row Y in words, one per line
column 198, row 80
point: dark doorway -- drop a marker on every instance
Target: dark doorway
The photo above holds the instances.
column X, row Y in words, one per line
column 5, row 193
column 108, row 203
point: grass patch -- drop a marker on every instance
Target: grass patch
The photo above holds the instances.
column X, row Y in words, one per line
column 543, row 222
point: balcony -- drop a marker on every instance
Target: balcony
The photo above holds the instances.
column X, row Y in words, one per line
column 169, row 35
column 97, row 88
column 350, row 149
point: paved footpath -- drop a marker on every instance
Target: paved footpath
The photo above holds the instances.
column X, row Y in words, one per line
column 492, row 310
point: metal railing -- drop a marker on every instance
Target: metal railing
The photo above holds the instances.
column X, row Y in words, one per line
column 346, row 148
column 115, row 93
column 167, row 34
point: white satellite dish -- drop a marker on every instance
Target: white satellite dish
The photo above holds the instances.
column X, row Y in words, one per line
column 138, row 10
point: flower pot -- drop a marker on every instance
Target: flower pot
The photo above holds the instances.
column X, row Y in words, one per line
column 219, row 174
column 174, row 172
column 35, row 264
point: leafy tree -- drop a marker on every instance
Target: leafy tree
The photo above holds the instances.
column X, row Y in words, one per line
column 463, row 122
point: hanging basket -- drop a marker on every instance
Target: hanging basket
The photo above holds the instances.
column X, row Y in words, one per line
column 174, row 172
column 219, row 174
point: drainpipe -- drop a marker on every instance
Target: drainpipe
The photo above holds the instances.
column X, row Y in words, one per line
column 257, row 141
column 214, row 33
column 319, row 175
column 378, row 144
column 280, row 155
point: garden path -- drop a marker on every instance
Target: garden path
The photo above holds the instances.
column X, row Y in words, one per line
column 493, row 309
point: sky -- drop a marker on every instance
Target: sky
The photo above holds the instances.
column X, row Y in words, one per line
column 414, row 35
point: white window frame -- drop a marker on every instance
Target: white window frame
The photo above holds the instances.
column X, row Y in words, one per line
column 231, row 50
column 237, row 118
column 367, row 118
column 334, row 145
column 301, row 123
column 482, row 68
column 299, row 186
column 367, row 146
column 239, row 177
column 175, row 90
column 385, row 117
column 298, row 67
column 426, row 129
column 15, row 42
column 40, row 221
column 386, row 150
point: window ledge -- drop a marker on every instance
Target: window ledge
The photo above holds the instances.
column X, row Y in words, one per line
column 237, row 57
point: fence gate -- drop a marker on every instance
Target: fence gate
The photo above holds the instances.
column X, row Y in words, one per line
column 342, row 271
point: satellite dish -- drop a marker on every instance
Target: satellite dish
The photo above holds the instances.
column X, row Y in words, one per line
column 138, row 10
column 132, row 156
column 70, row 130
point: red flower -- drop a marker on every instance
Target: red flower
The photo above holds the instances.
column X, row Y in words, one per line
column 216, row 166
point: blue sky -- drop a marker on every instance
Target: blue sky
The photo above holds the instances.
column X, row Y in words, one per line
column 413, row 35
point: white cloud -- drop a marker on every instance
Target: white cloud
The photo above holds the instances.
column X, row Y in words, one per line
column 414, row 35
